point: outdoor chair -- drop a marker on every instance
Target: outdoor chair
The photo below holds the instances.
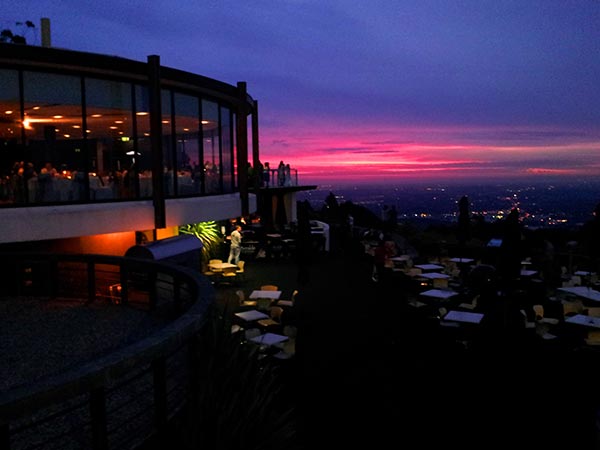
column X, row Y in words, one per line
column 263, row 304
column 214, row 261
column 251, row 333
column 470, row 305
column 289, row 302
column 210, row 274
column 241, row 274
column 276, row 312
column 540, row 318
column 242, row 299
column 273, row 323
column 593, row 337
column 526, row 322
column 269, row 287
column 570, row 308
column 229, row 275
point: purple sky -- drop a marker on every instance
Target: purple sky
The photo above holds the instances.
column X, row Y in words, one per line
column 377, row 90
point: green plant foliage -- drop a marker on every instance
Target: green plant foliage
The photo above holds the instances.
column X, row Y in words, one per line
column 240, row 402
column 7, row 35
column 209, row 235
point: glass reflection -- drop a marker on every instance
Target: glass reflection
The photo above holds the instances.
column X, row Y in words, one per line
column 53, row 153
column 187, row 157
column 57, row 167
column 12, row 187
column 211, row 146
column 109, row 129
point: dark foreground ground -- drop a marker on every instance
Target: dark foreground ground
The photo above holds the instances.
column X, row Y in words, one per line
column 369, row 373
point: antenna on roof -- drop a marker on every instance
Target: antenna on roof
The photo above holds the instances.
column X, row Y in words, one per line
column 45, row 26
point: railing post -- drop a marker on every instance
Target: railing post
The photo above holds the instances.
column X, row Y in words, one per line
column 98, row 413
column 4, row 436
column 124, row 283
column 159, row 370
column 91, row 281
column 152, row 289
column 193, row 403
column 177, row 295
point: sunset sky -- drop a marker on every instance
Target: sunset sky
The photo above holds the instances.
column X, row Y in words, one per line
column 377, row 90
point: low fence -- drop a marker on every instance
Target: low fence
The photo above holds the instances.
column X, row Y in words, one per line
column 124, row 399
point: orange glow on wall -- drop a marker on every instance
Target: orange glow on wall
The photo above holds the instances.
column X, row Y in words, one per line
column 164, row 233
column 104, row 244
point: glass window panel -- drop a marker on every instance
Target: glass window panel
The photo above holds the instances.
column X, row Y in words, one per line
column 12, row 182
column 110, row 141
column 210, row 142
column 167, row 140
column 226, row 150
column 234, row 151
column 54, row 137
column 187, row 113
column 142, row 140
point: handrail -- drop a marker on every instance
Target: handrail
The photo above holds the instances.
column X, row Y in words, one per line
column 25, row 401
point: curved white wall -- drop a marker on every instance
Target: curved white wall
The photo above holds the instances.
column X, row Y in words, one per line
column 67, row 221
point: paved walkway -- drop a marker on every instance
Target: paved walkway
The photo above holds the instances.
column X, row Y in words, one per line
column 40, row 337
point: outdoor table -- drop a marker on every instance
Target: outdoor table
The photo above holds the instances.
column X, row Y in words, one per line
column 439, row 293
column 581, row 319
column 528, row 273
column 400, row 258
column 251, row 315
column 582, row 291
column 222, row 266
column 269, row 339
column 462, row 260
column 273, row 295
column 429, row 266
column 434, row 275
column 463, row 316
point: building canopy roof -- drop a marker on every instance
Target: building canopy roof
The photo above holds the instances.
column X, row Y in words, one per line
column 165, row 248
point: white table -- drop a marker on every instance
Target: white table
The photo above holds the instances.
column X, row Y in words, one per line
column 429, row 266
column 400, row 258
column 273, row 295
column 528, row 273
column 582, row 291
column 251, row 315
column 581, row 319
column 222, row 266
column 463, row 316
column 439, row 293
column 269, row 339
column 462, row 260
column 434, row 275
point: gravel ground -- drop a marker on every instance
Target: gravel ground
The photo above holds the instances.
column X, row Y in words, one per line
column 39, row 337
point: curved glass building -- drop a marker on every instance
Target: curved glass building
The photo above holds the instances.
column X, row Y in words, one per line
column 95, row 145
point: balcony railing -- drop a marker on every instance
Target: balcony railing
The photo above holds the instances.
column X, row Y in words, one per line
column 123, row 399
column 276, row 178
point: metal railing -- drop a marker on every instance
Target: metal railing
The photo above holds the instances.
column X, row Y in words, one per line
column 277, row 179
column 127, row 397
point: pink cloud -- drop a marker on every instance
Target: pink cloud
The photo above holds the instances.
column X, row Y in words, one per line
column 363, row 153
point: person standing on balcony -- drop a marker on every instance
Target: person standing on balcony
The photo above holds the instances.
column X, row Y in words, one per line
column 266, row 174
column 235, row 246
column 287, row 175
column 281, row 174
